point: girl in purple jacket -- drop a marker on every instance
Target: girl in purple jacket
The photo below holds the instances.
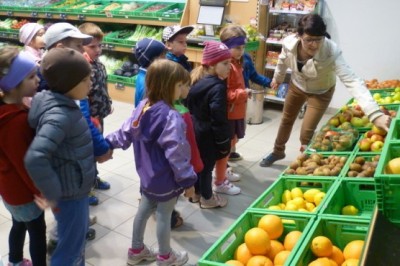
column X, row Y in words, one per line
column 162, row 159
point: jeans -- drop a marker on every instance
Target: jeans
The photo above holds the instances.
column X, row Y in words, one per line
column 294, row 100
column 72, row 218
column 163, row 216
column 37, row 245
column 203, row 184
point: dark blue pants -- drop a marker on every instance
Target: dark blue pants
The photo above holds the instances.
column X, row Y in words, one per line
column 72, row 221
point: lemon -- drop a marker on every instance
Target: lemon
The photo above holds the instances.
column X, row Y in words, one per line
column 290, row 206
column 303, row 210
column 299, row 202
column 310, row 206
column 309, row 194
column 349, row 210
column 286, row 196
column 296, row 192
column 282, row 206
column 274, row 208
column 318, row 198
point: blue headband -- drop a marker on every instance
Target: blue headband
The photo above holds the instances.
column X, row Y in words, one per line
column 20, row 67
column 235, row 41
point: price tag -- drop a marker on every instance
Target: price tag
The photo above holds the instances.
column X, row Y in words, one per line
column 81, row 17
column 3, row 34
column 9, row 13
column 111, row 46
column 63, row 16
column 104, row 46
column 34, row 14
column 108, row 14
column 49, row 15
column 14, row 36
column 119, row 86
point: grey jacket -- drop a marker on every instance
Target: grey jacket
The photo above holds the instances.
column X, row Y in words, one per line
column 60, row 159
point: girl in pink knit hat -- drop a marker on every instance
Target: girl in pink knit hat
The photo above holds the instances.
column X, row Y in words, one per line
column 31, row 35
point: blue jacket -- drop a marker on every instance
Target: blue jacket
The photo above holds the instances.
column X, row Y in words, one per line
column 182, row 60
column 250, row 73
column 162, row 152
column 60, row 158
column 140, row 86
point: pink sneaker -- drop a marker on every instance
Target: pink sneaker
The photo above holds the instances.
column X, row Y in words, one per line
column 24, row 262
column 146, row 254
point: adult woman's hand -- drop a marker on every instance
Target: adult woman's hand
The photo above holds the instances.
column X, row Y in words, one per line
column 274, row 84
column 383, row 122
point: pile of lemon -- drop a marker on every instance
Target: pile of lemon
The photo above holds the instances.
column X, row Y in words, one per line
column 297, row 200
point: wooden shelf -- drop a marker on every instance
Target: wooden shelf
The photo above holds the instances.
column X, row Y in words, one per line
column 288, row 12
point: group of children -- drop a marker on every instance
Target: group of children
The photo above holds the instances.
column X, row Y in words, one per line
column 59, row 138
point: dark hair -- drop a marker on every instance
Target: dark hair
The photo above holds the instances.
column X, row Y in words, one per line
column 161, row 78
column 312, row 24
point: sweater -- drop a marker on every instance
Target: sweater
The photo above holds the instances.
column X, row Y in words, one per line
column 250, row 73
column 16, row 186
column 140, row 86
column 236, row 94
column 161, row 151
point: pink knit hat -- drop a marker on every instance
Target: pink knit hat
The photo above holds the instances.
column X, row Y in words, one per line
column 215, row 52
column 28, row 31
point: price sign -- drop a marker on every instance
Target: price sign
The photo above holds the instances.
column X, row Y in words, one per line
column 9, row 13
column 119, row 86
column 108, row 14
column 34, row 14
column 81, row 17
column 49, row 15
column 111, row 47
column 63, row 16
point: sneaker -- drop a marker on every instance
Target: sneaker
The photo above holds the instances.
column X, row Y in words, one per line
column 234, row 156
column 231, row 176
column 303, row 148
column 51, row 246
column 101, row 184
column 215, row 201
column 90, row 234
column 176, row 258
column 270, row 159
column 145, row 254
column 93, row 200
column 227, row 188
column 24, row 262
column 92, row 219
column 195, row 198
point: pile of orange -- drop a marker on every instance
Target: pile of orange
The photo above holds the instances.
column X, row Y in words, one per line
column 261, row 245
column 330, row 255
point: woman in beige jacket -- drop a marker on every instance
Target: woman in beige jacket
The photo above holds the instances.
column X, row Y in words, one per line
column 315, row 62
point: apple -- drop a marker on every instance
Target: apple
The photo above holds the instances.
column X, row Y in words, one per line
column 376, row 137
column 334, row 121
column 376, row 96
column 393, row 166
column 377, row 146
column 392, row 113
column 365, row 144
column 356, row 122
column 346, row 125
column 378, row 130
column 384, row 110
column 369, row 133
column 365, row 120
column 331, row 133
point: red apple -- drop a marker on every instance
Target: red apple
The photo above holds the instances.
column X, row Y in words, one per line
column 378, row 130
column 376, row 137
column 365, row 144
column 376, row 146
column 331, row 133
column 369, row 133
column 392, row 113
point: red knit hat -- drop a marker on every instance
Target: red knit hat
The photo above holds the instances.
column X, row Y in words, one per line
column 215, row 52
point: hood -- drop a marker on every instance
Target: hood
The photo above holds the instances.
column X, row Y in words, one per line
column 47, row 100
column 9, row 111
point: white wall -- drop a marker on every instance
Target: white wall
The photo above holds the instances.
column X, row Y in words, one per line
column 368, row 32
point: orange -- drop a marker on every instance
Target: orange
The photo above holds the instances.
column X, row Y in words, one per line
column 281, row 257
column 337, row 255
column 234, row 263
column 353, row 249
column 259, row 261
column 321, row 246
column 323, row 262
column 291, row 239
column 242, row 253
column 350, row 262
column 276, row 247
column 258, row 241
column 272, row 224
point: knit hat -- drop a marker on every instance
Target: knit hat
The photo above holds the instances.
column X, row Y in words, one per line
column 171, row 31
column 63, row 69
column 147, row 50
column 28, row 31
column 62, row 30
column 215, row 52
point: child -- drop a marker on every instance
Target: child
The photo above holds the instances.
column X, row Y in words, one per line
column 146, row 51
column 99, row 100
column 31, row 35
column 161, row 151
column 175, row 39
column 16, row 187
column 60, row 158
column 207, row 103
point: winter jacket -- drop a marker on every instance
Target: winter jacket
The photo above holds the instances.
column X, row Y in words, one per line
column 16, row 186
column 195, row 158
column 162, row 153
column 99, row 100
column 318, row 74
column 182, row 60
column 236, row 94
column 207, row 103
column 140, row 86
column 60, row 159
column 250, row 73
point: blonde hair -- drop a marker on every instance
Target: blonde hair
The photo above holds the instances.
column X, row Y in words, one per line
column 91, row 29
column 161, row 78
column 231, row 31
column 7, row 55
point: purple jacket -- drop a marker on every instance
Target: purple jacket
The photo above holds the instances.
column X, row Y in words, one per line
column 162, row 153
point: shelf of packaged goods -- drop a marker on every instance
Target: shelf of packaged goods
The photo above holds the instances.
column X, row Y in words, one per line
column 83, row 17
column 272, row 98
column 288, row 12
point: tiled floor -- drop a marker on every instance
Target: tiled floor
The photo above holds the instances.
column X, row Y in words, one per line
column 201, row 227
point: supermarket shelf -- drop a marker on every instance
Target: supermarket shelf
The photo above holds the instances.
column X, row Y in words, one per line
column 271, row 98
column 271, row 67
column 269, row 41
column 294, row 12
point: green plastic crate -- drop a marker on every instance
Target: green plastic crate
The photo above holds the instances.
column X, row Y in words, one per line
column 329, row 143
column 354, row 192
column 252, row 46
column 96, row 8
column 394, row 131
column 130, row 13
column 59, row 7
column 339, row 231
column 368, row 156
column 128, row 81
column 172, row 11
column 224, row 248
column 273, row 195
column 146, row 11
column 119, row 38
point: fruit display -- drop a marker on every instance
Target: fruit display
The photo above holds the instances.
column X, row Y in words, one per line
column 251, row 33
column 373, row 140
column 393, row 166
column 363, row 166
column 143, row 31
column 387, row 97
column 128, row 69
column 171, row 12
column 131, row 6
column 154, row 8
column 316, row 164
column 329, row 139
column 375, row 84
column 121, row 67
column 112, row 6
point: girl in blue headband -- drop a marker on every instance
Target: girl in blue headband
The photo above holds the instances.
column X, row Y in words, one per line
column 18, row 79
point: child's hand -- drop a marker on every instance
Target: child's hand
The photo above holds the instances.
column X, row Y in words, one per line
column 43, row 203
column 105, row 157
column 274, row 84
column 189, row 192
